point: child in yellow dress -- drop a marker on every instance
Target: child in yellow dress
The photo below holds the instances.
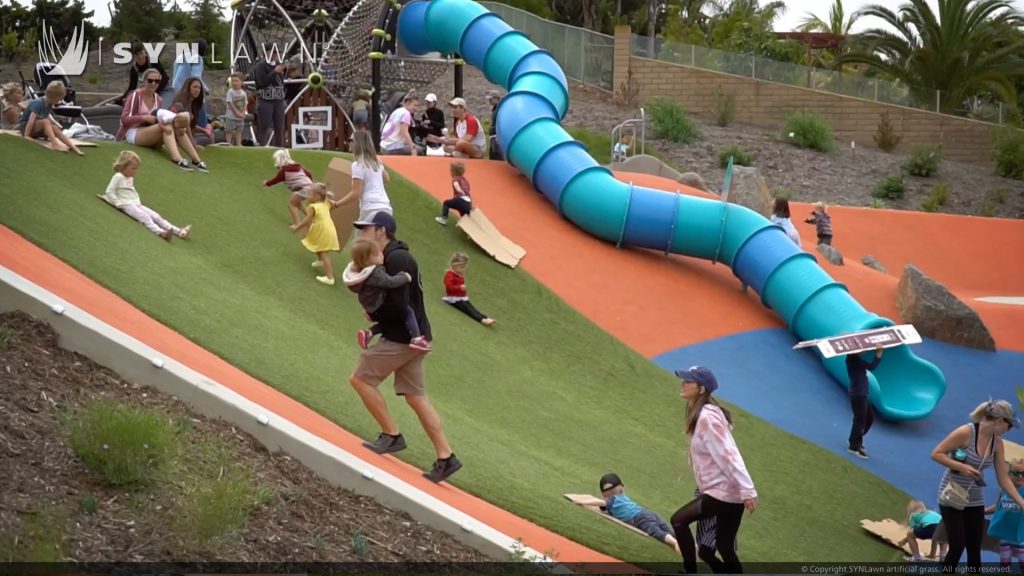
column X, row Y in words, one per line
column 322, row 237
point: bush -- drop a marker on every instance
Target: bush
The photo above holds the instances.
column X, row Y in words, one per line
column 886, row 137
column 215, row 504
column 891, row 188
column 999, row 195
column 877, row 203
column 923, row 160
column 739, row 157
column 1009, row 153
column 808, row 130
column 124, row 444
column 724, row 107
column 783, row 192
column 671, row 122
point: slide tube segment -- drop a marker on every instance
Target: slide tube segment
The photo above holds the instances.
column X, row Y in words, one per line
column 789, row 281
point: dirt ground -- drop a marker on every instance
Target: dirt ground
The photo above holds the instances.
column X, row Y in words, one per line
column 298, row 518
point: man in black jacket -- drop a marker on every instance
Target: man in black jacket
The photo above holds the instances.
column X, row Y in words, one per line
column 139, row 66
column 392, row 354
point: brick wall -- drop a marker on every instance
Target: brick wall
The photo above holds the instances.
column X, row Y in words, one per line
column 766, row 104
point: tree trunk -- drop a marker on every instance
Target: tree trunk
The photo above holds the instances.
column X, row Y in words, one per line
column 588, row 14
column 652, row 23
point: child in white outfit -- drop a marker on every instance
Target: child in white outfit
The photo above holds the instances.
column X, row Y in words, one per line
column 121, row 193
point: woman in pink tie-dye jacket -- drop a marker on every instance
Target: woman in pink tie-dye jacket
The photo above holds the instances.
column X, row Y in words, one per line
column 722, row 478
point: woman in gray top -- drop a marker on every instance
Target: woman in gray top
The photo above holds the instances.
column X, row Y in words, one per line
column 966, row 453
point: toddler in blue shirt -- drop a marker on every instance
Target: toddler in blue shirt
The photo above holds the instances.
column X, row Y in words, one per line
column 622, row 508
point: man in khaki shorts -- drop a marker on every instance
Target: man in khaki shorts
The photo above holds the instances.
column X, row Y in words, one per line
column 392, row 354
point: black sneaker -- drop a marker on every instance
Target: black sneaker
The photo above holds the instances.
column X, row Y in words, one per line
column 443, row 469
column 858, row 452
column 201, row 166
column 184, row 165
column 387, row 444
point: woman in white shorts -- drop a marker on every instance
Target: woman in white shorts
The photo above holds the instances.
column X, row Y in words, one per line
column 144, row 123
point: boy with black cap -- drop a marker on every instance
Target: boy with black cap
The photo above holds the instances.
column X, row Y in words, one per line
column 623, row 509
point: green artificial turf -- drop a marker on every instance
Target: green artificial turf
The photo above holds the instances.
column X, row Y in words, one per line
column 542, row 404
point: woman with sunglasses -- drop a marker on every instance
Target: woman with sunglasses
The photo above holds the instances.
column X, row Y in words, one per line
column 143, row 123
column 966, row 453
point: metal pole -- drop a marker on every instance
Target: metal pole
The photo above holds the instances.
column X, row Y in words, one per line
column 938, row 100
column 458, row 77
column 693, row 55
column 375, row 80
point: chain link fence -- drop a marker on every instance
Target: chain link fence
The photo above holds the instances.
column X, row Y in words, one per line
column 584, row 55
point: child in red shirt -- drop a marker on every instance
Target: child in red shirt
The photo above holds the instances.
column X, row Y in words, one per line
column 296, row 178
column 461, row 201
column 455, row 289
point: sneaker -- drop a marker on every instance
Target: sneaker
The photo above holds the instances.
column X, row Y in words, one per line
column 184, row 165
column 184, row 232
column 317, row 264
column 363, row 337
column 858, row 452
column 442, row 469
column 913, row 558
column 201, row 166
column 420, row 343
column 386, row 444
column 325, row 280
column 441, row 221
column 167, row 234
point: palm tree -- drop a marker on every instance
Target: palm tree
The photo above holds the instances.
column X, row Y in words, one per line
column 837, row 22
column 967, row 49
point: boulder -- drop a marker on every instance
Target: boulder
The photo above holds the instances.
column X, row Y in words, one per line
column 745, row 190
column 937, row 313
column 693, row 180
column 872, row 262
column 831, row 253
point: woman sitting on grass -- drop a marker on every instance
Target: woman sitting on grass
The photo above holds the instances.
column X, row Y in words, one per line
column 143, row 123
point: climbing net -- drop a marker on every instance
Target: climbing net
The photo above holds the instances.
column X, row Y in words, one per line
column 289, row 28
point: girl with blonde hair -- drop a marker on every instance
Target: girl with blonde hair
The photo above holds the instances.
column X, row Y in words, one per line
column 322, row 238
column 121, row 193
column 11, row 106
column 296, row 178
column 368, row 178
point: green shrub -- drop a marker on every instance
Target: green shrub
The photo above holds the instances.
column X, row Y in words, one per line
column 1009, row 153
column 89, row 503
column 739, row 156
column 891, row 188
column 877, row 203
column 930, row 205
column 923, row 160
column 999, row 195
column 7, row 336
column 214, row 505
column 808, row 130
column 783, row 192
column 92, row 79
column 671, row 122
column 886, row 137
column 940, row 192
column 724, row 107
column 126, row 445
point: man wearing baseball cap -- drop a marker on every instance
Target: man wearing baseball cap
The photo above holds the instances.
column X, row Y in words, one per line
column 469, row 139
column 392, row 354
column 431, row 122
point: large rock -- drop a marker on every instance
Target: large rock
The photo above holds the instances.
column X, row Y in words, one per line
column 693, row 180
column 938, row 314
column 831, row 253
column 872, row 262
column 745, row 190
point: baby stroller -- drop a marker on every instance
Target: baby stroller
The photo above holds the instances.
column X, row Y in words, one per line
column 66, row 111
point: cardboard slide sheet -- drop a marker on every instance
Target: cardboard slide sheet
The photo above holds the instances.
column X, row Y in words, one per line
column 339, row 181
column 479, row 228
column 893, row 532
column 46, row 143
column 593, row 503
column 857, row 342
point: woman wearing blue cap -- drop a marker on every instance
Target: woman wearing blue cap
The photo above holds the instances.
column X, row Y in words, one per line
column 722, row 478
column 966, row 453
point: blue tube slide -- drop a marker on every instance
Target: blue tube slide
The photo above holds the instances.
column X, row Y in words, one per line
column 789, row 281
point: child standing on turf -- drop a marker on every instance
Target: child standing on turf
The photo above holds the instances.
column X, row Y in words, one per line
column 295, row 177
column 923, row 523
column 822, row 222
column 237, row 101
column 365, row 275
column 1008, row 520
column 623, row 509
column 121, row 193
column 361, row 109
column 455, row 289
column 322, row 237
column 461, row 201
column 863, row 413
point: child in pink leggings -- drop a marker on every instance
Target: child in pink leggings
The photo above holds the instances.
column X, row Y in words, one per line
column 121, row 193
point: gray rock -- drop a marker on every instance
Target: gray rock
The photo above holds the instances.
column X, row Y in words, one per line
column 693, row 180
column 831, row 253
column 937, row 313
column 745, row 190
column 872, row 262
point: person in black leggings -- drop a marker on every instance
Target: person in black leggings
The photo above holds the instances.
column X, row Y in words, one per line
column 271, row 105
column 722, row 479
column 966, row 453
column 455, row 290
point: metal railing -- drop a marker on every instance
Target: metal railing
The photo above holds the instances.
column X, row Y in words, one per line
column 635, row 143
column 584, row 55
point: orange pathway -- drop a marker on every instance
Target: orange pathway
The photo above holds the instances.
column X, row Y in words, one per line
column 45, row 270
column 655, row 303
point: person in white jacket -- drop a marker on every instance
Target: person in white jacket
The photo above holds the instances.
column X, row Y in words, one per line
column 722, row 478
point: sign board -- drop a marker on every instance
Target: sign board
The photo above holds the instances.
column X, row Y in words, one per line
column 887, row 337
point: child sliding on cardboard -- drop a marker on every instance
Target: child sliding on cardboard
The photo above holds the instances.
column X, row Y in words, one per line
column 623, row 509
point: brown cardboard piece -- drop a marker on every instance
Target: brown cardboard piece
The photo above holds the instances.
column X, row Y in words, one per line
column 480, row 230
column 893, row 532
column 593, row 503
column 339, row 181
column 46, row 144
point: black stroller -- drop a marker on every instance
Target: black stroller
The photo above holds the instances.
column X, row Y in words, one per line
column 66, row 111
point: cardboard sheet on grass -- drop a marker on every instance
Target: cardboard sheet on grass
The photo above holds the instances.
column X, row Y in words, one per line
column 480, row 230
column 339, row 181
column 46, row 144
column 593, row 503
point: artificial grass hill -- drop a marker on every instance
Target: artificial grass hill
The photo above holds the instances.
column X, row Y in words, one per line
column 542, row 404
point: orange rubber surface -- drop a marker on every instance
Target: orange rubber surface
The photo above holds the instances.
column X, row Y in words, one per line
column 45, row 270
column 655, row 303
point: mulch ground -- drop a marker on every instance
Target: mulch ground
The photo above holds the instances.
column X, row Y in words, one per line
column 298, row 518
